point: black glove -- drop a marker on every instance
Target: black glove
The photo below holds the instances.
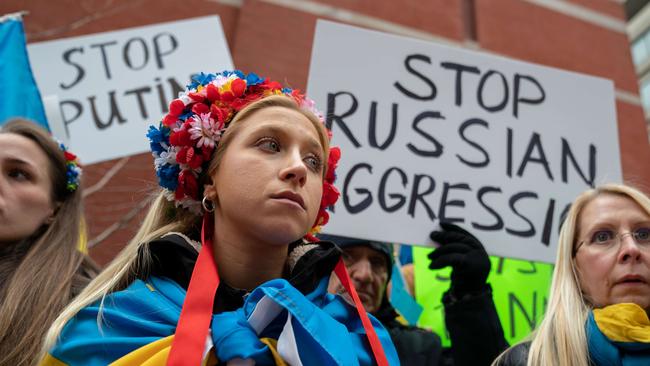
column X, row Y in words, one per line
column 465, row 254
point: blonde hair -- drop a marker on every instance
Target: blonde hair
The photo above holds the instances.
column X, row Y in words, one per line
column 163, row 217
column 561, row 338
column 40, row 274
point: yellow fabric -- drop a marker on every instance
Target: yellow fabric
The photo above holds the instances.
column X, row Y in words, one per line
column 623, row 323
column 83, row 238
column 51, row 361
column 273, row 346
column 154, row 354
column 400, row 319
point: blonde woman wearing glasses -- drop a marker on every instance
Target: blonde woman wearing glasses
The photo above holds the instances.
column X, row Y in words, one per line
column 600, row 295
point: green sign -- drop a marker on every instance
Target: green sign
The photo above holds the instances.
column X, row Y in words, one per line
column 519, row 288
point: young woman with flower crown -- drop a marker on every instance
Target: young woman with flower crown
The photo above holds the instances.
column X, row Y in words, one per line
column 225, row 269
column 41, row 268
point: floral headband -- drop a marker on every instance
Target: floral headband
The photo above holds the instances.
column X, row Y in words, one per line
column 184, row 142
column 72, row 169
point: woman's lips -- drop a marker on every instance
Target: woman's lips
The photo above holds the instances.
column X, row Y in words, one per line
column 290, row 196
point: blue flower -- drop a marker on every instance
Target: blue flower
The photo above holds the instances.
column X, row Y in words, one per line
column 253, row 79
column 200, row 79
column 168, row 176
column 155, row 135
column 187, row 114
column 286, row 90
column 158, row 136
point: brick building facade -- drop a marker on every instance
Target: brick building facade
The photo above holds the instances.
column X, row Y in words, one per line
column 273, row 38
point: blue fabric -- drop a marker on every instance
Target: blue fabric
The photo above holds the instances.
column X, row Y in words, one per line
column 19, row 96
column 328, row 330
column 405, row 254
column 604, row 352
column 401, row 300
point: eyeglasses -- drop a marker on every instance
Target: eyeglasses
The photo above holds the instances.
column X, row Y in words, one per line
column 607, row 240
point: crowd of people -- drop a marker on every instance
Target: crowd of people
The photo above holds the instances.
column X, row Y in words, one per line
column 229, row 268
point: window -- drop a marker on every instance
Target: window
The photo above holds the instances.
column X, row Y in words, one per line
column 645, row 95
column 641, row 49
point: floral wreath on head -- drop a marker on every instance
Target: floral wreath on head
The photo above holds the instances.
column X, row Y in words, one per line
column 72, row 168
column 184, row 142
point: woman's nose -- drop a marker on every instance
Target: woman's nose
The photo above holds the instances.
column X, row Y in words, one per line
column 629, row 249
column 295, row 168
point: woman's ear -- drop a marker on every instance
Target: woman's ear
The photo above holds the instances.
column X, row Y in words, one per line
column 210, row 192
column 52, row 213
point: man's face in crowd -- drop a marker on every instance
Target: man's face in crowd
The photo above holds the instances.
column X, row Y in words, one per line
column 368, row 270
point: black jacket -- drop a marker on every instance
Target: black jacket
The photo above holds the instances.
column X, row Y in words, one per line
column 173, row 256
column 516, row 356
column 473, row 325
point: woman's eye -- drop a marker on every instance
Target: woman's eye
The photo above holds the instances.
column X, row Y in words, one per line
column 602, row 236
column 314, row 163
column 19, row 174
column 269, row 144
column 347, row 258
column 642, row 234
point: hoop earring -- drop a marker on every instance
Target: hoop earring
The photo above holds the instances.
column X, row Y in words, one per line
column 206, row 207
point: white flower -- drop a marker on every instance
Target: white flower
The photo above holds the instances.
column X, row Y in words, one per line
column 165, row 157
column 205, row 129
column 220, row 80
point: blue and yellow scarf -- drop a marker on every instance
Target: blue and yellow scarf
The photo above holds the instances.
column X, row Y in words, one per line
column 619, row 335
column 277, row 325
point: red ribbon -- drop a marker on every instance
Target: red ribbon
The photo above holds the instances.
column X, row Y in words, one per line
column 193, row 325
column 194, row 322
column 375, row 345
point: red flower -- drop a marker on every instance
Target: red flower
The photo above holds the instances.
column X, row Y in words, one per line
column 200, row 108
column 332, row 163
column 239, row 103
column 69, row 156
column 188, row 155
column 270, row 85
column 330, row 195
column 169, row 120
column 206, row 152
column 297, row 96
column 227, row 96
column 220, row 114
column 212, row 93
column 322, row 219
column 310, row 238
column 176, row 107
column 197, row 97
column 238, row 87
column 180, row 138
column 187, row 185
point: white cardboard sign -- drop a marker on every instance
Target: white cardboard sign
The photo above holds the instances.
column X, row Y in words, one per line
column 111, row 86
column 431, row 132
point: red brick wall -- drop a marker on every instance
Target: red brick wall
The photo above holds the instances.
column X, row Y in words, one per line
column 274, row 39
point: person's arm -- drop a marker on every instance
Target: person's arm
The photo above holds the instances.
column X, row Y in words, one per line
column 470, row 315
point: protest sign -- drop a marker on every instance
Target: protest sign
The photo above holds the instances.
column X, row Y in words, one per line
column 111, row 86
column 519, row 289
column 431, row 133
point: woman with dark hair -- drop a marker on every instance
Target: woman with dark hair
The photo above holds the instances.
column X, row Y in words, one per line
column 41, row 268
column 225, row 269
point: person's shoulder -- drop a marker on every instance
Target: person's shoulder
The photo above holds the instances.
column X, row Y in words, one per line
column 173, row 255
column 413, row 334
column 516, row 355
column 308, row 263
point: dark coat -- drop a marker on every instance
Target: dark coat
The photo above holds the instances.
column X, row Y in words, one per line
column 516, row 356
column 473, row 325
column 174, row 257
